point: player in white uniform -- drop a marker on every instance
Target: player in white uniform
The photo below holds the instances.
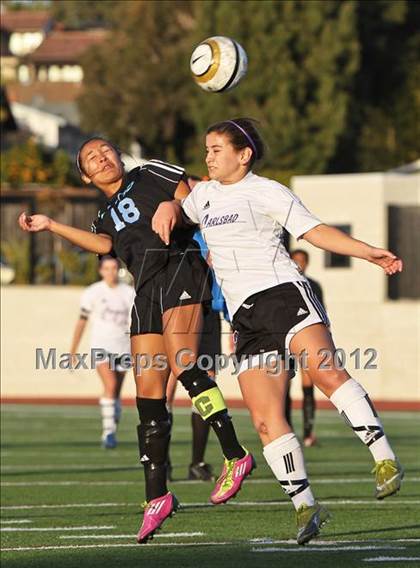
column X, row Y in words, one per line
column 108, row 305
column 242, row 217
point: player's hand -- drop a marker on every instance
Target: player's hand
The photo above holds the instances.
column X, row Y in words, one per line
column 34, row 223
column 390, row 263
column 165, row 219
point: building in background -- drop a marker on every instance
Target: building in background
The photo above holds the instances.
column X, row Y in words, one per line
column 42, row 74
column 370, row 312
column 27, row 29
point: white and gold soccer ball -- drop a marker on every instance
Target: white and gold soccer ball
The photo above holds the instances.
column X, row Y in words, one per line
column 218, row 64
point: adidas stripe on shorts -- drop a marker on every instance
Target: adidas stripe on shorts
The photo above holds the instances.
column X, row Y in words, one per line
column 268, row 320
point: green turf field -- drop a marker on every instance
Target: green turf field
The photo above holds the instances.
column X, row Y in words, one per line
column 66, row 502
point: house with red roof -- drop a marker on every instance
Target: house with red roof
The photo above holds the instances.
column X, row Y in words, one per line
column 42, row 74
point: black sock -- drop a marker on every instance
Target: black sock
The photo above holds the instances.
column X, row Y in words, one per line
column 288, row 406
column 308, row 411
column 171, row 422
column 154, row 434
column 224, row 430
column 200, row 434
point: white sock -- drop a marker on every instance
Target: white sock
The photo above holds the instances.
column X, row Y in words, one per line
column 354, row 404
column 109, row 425
column 118, row 410
column 285, row 458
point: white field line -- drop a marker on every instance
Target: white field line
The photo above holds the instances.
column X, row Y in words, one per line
column 392, row 559
column 353, row 548
column 51, row 454
column 317, row 542
column 160, row 535
column 187, row 505
column 50, row 529
column 324, row 502
column 191, row 544
column 119, row 545
column 15, row 522
column 66, row 506
column 320, row 481
column 381, row 543
column 70, row 483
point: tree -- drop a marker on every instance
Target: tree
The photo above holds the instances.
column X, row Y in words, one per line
column 87, row 14
column 387, row 95
column 140, row 76
column 303, row 60
column 30, row 163
column 334, row 83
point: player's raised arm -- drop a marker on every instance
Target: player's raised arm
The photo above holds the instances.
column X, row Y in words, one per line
column 171, row 214
column 100, row 244
column 332, row 239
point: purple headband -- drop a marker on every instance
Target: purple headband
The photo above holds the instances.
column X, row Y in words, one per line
column 247, row 136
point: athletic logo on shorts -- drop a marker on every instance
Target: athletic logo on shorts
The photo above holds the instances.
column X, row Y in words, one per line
column 302, row 312
column 247, row 306
column 185, row 296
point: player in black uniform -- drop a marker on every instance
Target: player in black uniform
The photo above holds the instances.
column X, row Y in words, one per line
column 171, row 284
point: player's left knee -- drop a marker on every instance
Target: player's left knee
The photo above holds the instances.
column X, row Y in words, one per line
column 329, row 380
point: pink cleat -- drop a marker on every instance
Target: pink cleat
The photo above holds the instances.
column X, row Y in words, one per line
column 155, row 513
column 230, row 481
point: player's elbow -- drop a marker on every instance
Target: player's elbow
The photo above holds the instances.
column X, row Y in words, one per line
column 105, row 246
column 182, row 191
column 314, row 236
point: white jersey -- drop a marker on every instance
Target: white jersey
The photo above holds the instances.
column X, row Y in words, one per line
column 109, row 311
column 243, row 225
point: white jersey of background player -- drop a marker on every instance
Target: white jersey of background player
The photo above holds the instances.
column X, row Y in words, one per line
column 107, row 304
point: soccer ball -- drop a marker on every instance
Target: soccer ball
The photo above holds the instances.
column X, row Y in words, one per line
column 218, row 64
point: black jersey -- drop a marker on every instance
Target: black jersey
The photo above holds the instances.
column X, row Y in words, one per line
column 127, row 218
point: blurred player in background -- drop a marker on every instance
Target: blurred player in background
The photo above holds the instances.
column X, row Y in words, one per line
column 107, row 304
column 273, row 308
column 301, row 257
column 171, row 281
column 211, row 346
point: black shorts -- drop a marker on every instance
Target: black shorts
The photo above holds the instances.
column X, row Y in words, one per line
column 185, row 280
column 267, row 321
column 211, row 336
